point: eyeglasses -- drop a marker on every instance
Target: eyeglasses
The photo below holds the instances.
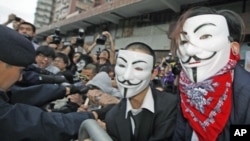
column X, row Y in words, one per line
column 58, row 61
column 43, row 56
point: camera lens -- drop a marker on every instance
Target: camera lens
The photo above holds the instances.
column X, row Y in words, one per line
column 17, row 19
column 56, row 39
column 79, row 41
column 101, row 40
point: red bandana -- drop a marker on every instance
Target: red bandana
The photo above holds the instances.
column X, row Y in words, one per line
column 207, row 105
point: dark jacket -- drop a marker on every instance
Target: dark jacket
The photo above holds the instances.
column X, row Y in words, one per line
column 24, row 122
column 155, row 127
column 36, row 95
column 240, row 113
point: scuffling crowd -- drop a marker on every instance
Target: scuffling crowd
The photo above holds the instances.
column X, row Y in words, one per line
column 48, row 89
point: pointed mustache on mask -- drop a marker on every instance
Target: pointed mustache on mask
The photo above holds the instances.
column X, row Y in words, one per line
column 128, row 82
column 197, row 58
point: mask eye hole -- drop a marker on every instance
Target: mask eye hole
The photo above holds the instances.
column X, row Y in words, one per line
column 138, row 69
column 205, row 36
column 121, row 65
column 183, row 42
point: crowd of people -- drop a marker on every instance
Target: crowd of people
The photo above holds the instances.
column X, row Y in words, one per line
column 47, row 90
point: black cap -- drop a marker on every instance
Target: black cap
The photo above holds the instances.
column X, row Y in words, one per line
column 15, row 49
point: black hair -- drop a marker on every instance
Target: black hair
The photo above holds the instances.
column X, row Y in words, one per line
column 63, row 56
column 81, row 54
column 235, row 24
column 27, row 23
column 107, row 68
column 88, row 59
column 143, row 47
column 46, row 51
column 107, row 52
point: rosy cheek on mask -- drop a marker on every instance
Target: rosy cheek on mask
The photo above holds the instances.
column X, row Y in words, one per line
column 204, row 47
column 133, row 72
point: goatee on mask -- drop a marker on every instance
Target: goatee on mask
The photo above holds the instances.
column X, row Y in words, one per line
column 80, row 65
column 133, row 72
column 204, row 46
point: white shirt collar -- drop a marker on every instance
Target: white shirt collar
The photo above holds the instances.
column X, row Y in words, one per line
column 148, row 103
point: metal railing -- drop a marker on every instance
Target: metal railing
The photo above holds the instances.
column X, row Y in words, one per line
column 90, row 129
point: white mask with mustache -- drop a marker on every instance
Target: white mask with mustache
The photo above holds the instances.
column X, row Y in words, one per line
column 133, row 72
column 204, row 46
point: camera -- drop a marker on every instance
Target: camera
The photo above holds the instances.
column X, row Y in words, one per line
column 101, row 40
column 56, row 39
column 169, row 58
column 177, row 68
column 80, row 38
column 98, row 52
column 17, row 19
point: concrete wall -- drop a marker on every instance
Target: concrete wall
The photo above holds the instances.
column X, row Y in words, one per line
column 154, row 35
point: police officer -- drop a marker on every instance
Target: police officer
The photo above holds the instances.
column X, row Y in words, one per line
column 21, row 121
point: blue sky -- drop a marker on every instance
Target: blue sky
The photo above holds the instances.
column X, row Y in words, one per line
column 22, row 8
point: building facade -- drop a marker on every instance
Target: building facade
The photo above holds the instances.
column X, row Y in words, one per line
column 44, row 13
column 148, row 21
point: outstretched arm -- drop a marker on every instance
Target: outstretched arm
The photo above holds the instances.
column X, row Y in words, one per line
column 112, row 46
column 11, row 18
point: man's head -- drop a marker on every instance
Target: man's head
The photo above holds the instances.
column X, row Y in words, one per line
column 44, row 56
column 204, row 40
column 16, row 52
column 88, row 72
column 104, row 55
column 27, row 29
column 134, row 68
column 102, row 82
column 61, row 61
column 81, row 60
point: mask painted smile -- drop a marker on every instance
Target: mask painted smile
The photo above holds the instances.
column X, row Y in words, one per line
column 128, row 83
column 133, row 72
column 197, row 59
column 204, row 46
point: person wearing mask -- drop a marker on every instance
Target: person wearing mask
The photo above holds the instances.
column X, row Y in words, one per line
column 26, row 122
column 214, row 89
column 144, row 113
column 79, row 61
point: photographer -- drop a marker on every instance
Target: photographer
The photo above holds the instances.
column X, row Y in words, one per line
column 12, row 18
column 105, row 57
column 54, row 40
column 66, row 48
column 78, row 42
